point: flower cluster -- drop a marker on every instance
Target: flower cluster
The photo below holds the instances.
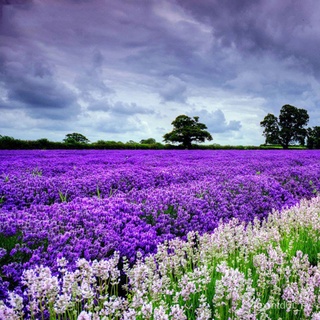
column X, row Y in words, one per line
column 265, row 273
column 90, row 204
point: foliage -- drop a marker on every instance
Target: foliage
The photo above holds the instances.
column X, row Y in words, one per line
column 288, row 128
column 73, row 138
column 271, row 129
column 279, row 147
column 148, row 141
column 313, row 138
column 45, row 144
column 9, row 143
column 186, row 130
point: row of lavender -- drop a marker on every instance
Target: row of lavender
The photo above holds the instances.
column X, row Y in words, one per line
column 88, row 204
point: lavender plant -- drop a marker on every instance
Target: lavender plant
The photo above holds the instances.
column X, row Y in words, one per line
column 90, row 204
column 260, row 274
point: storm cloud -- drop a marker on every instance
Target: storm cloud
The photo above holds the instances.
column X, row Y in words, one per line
column 216, row 121
column 127, row 68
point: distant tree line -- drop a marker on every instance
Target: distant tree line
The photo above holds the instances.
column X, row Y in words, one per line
column 77, row 141
column 289, row 130
column 9, row 143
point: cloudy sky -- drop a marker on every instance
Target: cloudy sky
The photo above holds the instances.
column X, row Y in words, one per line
column 124, row 69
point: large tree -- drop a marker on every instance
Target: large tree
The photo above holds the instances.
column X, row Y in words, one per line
column 186, row 130
column 75, row 138
column 313, row 137
column 289, row 128
column 271, row 128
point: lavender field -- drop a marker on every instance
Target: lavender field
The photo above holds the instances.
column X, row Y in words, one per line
column 75, row 215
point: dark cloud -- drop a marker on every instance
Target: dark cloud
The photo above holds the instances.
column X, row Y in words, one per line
column 120, row 108
column 174, row 89
column 15, row 2
column 283, row 28
column 118, row 124
column 97, row 59
column 90, row 81
column 129, row 109
column 92, row 88
column 7, row 12
column 60, row 59
column 31, row 86
column 216, row 121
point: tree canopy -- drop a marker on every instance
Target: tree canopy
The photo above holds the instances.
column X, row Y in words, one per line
column 186, row 130
column 75, row 138
column 148, row 141
column 313, row 137
column 288, row 128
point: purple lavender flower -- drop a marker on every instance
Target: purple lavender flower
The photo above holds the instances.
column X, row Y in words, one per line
column 89, row 204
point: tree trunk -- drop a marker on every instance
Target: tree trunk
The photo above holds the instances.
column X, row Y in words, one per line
column 187, row 143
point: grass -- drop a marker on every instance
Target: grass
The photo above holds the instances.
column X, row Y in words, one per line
column 63, row 196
